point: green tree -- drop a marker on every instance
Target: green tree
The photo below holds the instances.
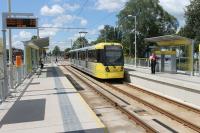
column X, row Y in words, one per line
column 33, row 37
column 56, row 51
column 67, row 50
column 80, row 42
column 192, row 27
column 109, row 34
column 152, row 20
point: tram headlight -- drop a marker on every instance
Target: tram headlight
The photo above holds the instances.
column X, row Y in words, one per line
column 122, row 68
column 107, row 69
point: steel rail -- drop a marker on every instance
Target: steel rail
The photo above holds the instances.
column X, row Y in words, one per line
column 162, row 111
column 130, row 115
column 190, row 108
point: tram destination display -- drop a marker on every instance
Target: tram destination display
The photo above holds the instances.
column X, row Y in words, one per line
column 21, row 22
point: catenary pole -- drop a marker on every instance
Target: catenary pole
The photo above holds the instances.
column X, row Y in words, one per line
column 135, row 41
column 10, row 51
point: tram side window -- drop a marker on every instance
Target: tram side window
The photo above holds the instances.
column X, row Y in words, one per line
column 100, row 56
column 92, row 56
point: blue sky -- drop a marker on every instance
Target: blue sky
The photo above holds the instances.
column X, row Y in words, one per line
column 90, row 14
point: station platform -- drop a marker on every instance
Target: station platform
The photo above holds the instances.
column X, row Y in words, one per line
column 48, row 103
column 183, row 88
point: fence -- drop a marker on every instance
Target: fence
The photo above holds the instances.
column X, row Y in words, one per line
column 18, row 74
column 140, row 62
column 181, row 64
column 1, row 89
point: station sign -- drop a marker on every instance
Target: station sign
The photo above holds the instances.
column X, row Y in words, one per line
column 167, row 52
column 21, row 23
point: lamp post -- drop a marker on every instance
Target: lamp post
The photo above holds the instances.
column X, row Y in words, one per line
column 38, row 30
column 199, row 59
column 82, row 33
column 135, row 38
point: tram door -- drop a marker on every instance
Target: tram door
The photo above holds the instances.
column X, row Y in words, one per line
column 167, row 61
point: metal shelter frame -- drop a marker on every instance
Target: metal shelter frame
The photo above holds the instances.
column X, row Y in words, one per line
column 5, row 15
column 173, row 41
column 33, row 51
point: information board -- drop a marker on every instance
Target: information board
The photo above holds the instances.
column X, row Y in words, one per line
column 21, row 22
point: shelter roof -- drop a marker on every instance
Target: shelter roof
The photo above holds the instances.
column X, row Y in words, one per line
column 170, row 40
column 38, row 43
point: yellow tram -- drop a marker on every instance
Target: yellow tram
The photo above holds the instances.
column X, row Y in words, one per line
column 103, row 60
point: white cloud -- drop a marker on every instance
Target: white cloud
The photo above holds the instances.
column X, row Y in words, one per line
column 66, row 19
column 58, row 9
column 18, row 44
column 18, row 38
column 60, row 18
column 51, row 11
column 57, row 0
column 48, row 31
column 176, row 8
column 83, row 22
column 92, row 32
column 60, row 21
column 110, row 5
column 24, row 35
column 71, row 7
column 63, row 19
column 76, row 35
column 100, row 27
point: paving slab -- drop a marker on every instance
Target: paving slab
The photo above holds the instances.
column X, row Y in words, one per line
column 50, row 103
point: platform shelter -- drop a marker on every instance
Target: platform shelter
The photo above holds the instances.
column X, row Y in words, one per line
column 33, row 51
column 175, row 52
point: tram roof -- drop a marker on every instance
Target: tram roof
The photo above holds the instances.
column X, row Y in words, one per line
column 170, row 40
column 97, row 46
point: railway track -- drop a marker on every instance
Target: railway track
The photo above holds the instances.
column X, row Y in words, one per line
column 158, row 109
column 167, row 113
column 190, row 108
column 130, row 115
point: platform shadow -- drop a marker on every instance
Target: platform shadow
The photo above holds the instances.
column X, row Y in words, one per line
column 54, row 72
column 25, row 111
